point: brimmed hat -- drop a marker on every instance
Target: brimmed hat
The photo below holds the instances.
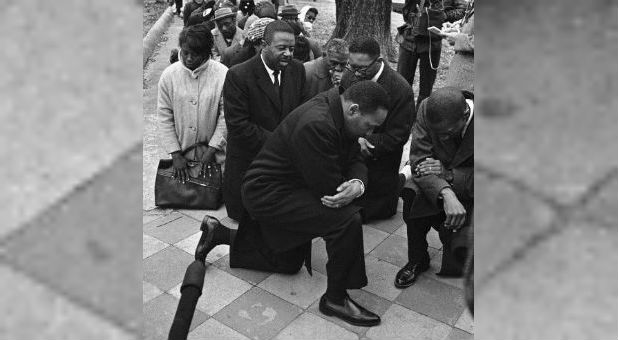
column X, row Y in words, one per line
column 256, row 30
column 288, row 10
column 224, row 12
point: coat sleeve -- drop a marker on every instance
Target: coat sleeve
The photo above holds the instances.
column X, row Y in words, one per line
column 238, row 119
column 396, row 129
column 421, row 148
column 463, row 183
column 318, row 158
column 465, row 41
column 166, row 124
column 357, row 169
column 219, row 137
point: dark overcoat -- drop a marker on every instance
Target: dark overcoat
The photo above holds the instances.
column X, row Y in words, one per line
column 318, row 76
column 459, row 159
column 252, row 111
column 308, row 156
column 389, row 139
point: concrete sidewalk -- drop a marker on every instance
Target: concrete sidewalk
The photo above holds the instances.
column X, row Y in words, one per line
column 246, row 304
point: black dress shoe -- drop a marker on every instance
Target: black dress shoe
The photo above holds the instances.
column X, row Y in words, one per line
column 408, row 274
column 350, row 312
column 206, row 243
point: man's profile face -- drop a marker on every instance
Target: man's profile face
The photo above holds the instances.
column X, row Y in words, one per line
column 359, row 124
column 278, row 54
column 362, row 66
column 227, row 27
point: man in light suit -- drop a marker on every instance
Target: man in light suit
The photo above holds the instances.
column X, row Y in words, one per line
column 257, row 95
column 439, row 187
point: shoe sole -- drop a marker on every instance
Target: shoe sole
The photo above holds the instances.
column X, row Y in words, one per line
column 355, row 323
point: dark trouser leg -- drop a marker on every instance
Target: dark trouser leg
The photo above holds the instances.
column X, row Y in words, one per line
column 427, row 74
column 249, row 250
column 406, row 65
column 417, row 229
column 346, row 260
column 178, row 6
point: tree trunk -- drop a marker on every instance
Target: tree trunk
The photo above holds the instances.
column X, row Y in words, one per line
column 361, row 18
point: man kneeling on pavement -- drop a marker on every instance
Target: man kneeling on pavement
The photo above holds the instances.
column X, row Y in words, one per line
column 439, row 183
column 303, row 184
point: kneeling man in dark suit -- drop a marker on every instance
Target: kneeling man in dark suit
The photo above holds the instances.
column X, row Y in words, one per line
column 302, row 185
column 439, row 186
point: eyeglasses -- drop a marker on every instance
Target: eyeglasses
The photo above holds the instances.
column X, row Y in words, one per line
column 360, row 70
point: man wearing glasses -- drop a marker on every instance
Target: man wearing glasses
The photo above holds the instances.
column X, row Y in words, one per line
column 383, row 148
column 325, row 72
column 439, row 187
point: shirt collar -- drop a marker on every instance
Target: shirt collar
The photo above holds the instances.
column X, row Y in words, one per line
column 269, row 70
column 377, row 76
column 471, row 105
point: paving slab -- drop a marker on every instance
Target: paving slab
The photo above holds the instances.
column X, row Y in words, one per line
column 526, row 106
column 602, row 207
column 173, row 231
column 166, row 268
column 388, row 225
column 466, row 322
column 219, row 214
column 368, row 300
column 89, row 234
column 372, row 237
column 33, row 311
column 435, row 299
column 434, row 268
column 381, row 276
column 309, row 326
column 213, row 329
column 220, row 288
column 319, row 257
column 300, row 289
column 81, row 109
column 252, row 276
column 565, row 288
column 151, row 245
column 190, row 243
column 393, row 250
column 458, row 334
column 258, row 314
column 401, row 323
column 159, row 315
column 516, row 217
column 150, row 291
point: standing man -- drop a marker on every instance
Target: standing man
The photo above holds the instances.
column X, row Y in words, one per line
column 301, row 186
column 421, row 47
column 226, row 33
column 384, row 147
column 258, row 94
column 441, row 191
column 325, row 72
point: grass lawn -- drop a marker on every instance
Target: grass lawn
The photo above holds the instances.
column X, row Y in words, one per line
column 152, row 11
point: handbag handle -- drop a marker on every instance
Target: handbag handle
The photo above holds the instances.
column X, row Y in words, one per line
column 191, row 147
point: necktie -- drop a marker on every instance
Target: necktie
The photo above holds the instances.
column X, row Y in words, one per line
column 276, row 74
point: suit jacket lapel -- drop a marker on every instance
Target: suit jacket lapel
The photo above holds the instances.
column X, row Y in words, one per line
column 264, row 83
column 466, row 149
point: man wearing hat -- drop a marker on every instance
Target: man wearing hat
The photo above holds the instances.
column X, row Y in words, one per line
column 252, row 45
column 289, row 14
column 226, row 33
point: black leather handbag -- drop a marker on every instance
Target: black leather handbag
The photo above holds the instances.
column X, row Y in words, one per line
column 202, row 191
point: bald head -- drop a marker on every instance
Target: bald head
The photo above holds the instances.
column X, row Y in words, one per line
column 445, row 106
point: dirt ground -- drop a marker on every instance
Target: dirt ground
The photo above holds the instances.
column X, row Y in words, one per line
column 152, row 11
